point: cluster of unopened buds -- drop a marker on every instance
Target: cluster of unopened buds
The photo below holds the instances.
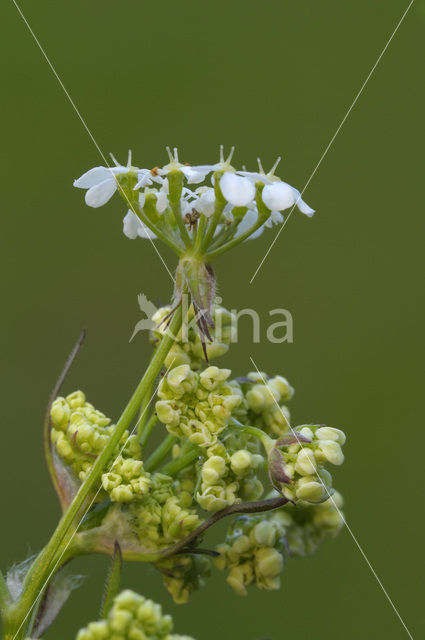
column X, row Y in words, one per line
column 227, row 443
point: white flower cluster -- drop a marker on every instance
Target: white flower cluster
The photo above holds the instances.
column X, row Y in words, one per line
column 253, row 199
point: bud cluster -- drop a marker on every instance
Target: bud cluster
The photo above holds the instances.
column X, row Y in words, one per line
column 184, row 574
column 231, row 443
column 197, row 406
column 230, row 474
column 80, row 432
column 132, row 617
column 265, row 399
column 166, row 514
column 257, row 546
column 254, row 553
column 296, row 463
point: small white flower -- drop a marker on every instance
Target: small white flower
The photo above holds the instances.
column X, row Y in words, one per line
column 237, row 190
column 277, row 195
column 280, row 196
column 193, row 175
column 100, row 183
column 222, row 165
column 206, row 201
column 133, row 227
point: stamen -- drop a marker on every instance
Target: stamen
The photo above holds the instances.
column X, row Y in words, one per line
column 260, row 166
column 274, row 167
column 229, row 157
column 114, row 160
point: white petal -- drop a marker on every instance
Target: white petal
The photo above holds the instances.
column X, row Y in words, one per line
column 194, row 175
column 145, row 232
column 131, row 224
column 162, row 201
column 247, row 221
column 92, row 177
column 206, row 202
column 237, row 190
column 278, row 196
column 100, row 194
column 302, row 206
column 254, row 176
column 133, row 227
column 257, row 233
column 275, row 218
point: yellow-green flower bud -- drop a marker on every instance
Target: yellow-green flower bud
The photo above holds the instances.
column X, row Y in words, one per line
column 213, row 470
column 329, row 451
column 310, row 489
column 305, row 462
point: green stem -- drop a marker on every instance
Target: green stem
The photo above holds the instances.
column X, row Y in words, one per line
column 41, row 569
column 200, row 233
column 144, row 413
column 266, row 441
column 153, row 227
column 177, row 212
column 147, row 429
column 180, row 463
column 4, row 595
column 160, row 453
column 232, row 243
column 220, row 203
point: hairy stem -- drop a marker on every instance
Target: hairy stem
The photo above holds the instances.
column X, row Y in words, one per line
column 4, row 594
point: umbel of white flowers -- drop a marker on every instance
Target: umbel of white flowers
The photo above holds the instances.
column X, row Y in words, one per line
column 205, row 206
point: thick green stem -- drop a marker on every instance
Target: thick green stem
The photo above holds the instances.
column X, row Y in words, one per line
column 160, row 453
column 42, row 569
column 4, row 595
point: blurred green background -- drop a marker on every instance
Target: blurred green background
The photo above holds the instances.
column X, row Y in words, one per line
column 273, row 78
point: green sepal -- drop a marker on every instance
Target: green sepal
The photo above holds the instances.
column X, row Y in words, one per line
column 113, row 581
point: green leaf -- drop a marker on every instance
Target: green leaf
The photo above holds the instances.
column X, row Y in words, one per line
column 113, row 580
